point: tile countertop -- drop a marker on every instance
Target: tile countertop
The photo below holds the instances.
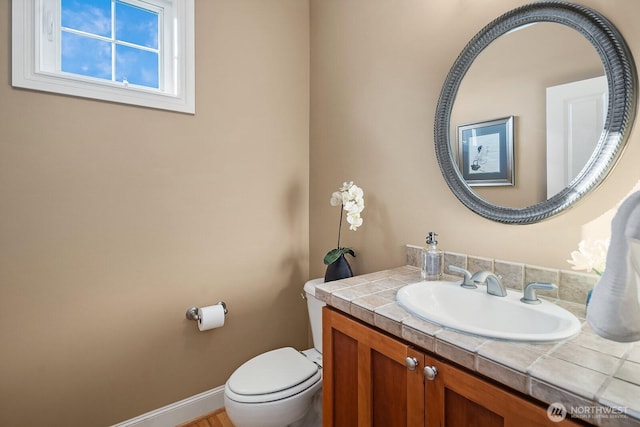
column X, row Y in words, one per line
column 588, row 374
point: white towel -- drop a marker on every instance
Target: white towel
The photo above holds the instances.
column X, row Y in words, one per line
column 614, row 308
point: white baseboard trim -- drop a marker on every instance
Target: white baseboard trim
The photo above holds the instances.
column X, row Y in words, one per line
column 179, row 412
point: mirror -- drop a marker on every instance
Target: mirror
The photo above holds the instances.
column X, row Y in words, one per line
column 505, row 71
column 514, row 72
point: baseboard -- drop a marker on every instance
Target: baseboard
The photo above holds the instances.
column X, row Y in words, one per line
column 179, row 412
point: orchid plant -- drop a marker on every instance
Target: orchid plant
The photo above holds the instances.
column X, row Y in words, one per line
column 590, row 256
column 351, row 198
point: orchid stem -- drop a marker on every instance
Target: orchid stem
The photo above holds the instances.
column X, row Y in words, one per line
column 339, row 227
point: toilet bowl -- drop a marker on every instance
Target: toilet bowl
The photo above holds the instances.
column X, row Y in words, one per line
column 281, row 387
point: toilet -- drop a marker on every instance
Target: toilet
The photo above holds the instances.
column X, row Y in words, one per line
column 281, row 387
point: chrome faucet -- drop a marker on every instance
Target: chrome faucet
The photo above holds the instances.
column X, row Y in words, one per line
column 466, row 281
column 493, row 282
column 530, row 296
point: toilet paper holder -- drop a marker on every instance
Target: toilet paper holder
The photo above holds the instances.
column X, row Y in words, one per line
column 192, row 312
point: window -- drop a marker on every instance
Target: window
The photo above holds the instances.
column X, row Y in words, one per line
column 130, row 51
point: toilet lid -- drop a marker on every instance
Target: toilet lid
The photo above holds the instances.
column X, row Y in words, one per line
column 273, row 372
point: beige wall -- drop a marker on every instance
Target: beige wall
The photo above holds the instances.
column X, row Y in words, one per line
column 115, row 219
column 377, row 69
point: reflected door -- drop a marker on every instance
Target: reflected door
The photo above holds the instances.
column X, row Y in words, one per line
column 576, row 113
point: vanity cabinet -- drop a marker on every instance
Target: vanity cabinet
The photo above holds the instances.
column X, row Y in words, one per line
column 373, row 379
column 456, row 398
column 365, row 381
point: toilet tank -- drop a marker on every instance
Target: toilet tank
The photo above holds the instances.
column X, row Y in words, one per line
column 314, row 307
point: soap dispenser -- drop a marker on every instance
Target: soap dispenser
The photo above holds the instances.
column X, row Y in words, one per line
column 432, row 259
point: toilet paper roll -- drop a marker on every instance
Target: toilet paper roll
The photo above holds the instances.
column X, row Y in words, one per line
column 210, row 317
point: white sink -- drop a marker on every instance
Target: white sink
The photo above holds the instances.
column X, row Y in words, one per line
column 476, row 312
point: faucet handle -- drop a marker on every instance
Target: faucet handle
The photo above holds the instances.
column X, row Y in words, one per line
column 530, row 296
column 466, row 282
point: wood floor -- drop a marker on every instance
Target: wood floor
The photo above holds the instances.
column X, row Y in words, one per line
column 216, row 418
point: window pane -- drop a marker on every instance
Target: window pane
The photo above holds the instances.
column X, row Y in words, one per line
column 91, row 16
column 136, row 25
column 86, row 56
column 137, row 66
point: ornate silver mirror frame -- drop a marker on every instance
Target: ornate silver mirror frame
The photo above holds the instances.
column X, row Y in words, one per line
column 621, row 76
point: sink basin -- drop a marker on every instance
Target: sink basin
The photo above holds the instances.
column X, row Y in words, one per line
column 476, row 312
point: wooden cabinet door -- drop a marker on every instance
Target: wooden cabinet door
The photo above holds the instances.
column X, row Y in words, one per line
column 458, row 399
column 365, row 380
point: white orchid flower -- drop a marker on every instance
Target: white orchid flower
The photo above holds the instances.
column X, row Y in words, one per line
column 336, row 199
column 591, row 256
column 355, row 192
column 346, row 186
column 350, row 206
column 354, row 221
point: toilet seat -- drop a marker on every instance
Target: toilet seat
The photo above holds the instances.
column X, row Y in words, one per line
column 271, row 376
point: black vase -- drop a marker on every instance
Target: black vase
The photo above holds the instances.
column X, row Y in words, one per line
column 339, row 269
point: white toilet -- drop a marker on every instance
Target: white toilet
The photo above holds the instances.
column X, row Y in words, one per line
column 281, row 387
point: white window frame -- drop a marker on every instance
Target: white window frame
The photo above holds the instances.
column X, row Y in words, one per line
column 36, row 58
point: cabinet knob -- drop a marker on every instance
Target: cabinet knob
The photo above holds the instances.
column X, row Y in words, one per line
column 411, row 363
column 430, row 372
